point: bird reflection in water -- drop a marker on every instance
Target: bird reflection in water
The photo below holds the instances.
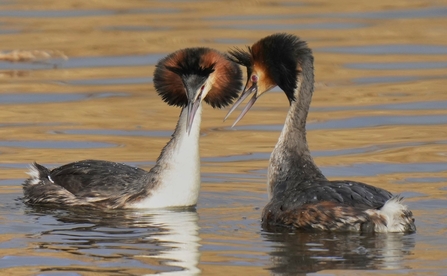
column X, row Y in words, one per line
column 303, row 252
column 162, row 241
column 182, row 238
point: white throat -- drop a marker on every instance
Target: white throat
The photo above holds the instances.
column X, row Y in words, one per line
column 178, row 181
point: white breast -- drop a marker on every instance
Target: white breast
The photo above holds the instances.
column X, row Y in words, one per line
column 180, row 176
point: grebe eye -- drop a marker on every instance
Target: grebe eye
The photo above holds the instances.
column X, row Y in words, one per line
column 254, row 78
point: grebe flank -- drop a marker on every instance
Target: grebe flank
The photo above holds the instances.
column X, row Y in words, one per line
column 300, row 196
column 184, row 78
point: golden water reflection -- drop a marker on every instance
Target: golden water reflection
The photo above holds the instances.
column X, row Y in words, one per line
column 379, row 115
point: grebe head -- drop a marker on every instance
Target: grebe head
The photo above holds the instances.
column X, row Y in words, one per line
column 273, row 61
column 187, row 77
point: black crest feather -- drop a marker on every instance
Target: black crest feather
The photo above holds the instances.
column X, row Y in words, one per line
column 241, row 57
column 171, row 72
column 281, row 54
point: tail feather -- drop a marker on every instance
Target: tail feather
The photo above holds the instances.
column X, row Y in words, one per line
column 397, row 216
column 38, row 174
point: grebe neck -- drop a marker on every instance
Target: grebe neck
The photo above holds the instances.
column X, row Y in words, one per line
column 175, row 178
column 291, row 161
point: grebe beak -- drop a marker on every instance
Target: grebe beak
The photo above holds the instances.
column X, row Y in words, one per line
column 251, row 102
column 191, row 112
column 196, row 93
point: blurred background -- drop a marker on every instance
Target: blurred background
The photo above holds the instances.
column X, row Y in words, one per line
column 76, row 83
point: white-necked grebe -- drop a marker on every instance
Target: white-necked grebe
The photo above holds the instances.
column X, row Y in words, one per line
column 300, row 196
column 184, row 78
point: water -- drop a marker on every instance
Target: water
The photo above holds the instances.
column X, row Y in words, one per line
column 378, row 116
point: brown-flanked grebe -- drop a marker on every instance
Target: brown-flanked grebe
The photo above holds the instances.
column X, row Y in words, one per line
column 184, row 78
column 300, row 196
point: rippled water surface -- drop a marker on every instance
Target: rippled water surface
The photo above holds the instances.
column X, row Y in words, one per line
column 83, row 90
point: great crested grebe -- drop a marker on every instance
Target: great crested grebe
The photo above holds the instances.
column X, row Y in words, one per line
column 300, row 196
column 184, row 78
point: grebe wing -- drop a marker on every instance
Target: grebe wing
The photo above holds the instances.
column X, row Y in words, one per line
column 350, row 193
column 97, row 177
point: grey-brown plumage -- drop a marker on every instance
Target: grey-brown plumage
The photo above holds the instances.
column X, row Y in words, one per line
column 300, row 195
column 88, row 183
column 184, row 78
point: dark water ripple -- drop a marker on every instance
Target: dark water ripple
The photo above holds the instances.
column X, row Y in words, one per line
column 80, row 13
column 296, row 26
column 118, row 132
column 373, row 169
column 116, row 236
column 387, row 49
column 85, row 62
column 358, row 122
column 111, row 81
column 428, row 105
column 385, row 14
column 36, row 98
column 55, row 144
column 394, row 79
column 394, row 14
column 322, row 153
column 420, row 65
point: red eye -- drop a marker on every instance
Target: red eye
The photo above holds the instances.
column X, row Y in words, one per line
column 254, row 78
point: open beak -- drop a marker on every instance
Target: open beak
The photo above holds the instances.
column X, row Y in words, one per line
column 251, row 102
column 191, row 112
